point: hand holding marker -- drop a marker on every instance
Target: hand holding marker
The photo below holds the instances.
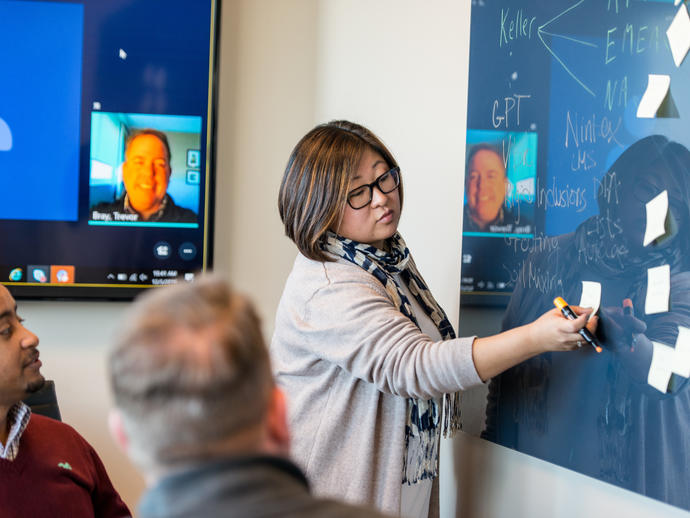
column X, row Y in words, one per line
column 570, row 314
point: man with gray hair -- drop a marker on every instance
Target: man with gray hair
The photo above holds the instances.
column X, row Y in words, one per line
column 197, row 409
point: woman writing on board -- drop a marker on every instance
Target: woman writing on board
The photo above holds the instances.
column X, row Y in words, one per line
column 361, row 347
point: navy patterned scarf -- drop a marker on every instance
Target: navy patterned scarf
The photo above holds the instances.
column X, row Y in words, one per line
column 423, row 416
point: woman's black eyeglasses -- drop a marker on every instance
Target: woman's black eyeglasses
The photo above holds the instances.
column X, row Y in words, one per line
column 361, row 196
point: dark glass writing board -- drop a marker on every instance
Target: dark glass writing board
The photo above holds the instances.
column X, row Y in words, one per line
column 571, row 76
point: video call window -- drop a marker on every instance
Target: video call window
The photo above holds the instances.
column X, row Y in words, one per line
column 139, row 170
column 500, row 178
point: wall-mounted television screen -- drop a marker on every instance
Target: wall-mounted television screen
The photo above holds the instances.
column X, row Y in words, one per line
column 106, row 145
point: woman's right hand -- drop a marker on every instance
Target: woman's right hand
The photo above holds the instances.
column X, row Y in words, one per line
column 554, row 332
column 550, row 332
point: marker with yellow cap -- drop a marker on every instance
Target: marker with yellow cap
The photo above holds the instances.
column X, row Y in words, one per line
column 570, row 314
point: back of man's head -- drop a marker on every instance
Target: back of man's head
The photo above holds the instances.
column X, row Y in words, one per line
column 190, row 373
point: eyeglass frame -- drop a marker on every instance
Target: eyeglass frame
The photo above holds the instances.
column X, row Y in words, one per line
column 375, row 183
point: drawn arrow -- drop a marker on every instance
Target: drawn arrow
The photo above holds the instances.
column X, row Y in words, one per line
column 541, row 32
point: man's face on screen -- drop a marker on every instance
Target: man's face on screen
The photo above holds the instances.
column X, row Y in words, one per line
column 486, row 187
column 146, row 172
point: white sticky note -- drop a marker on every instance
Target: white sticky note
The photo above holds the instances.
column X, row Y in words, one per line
column 658, row 289
column 661, row 367
column 681, row 363
column 678, row 34
column 591, row 296
column 657, row 209
column 654, row 95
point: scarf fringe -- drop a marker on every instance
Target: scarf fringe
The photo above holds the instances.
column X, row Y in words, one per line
column 452, row 422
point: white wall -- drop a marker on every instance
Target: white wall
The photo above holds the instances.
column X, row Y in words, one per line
column 74, row 338
column 267, row 96
column 399, row 67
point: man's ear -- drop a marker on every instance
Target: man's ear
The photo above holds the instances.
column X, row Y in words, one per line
column 117, row 429
column 276, row 423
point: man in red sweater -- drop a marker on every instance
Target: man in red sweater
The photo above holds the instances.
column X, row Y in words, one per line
column 46, row 467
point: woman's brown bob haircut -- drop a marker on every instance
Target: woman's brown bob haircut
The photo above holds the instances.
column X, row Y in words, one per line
column 317, row 178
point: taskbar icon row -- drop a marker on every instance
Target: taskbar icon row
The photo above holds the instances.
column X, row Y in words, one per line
column 67, row 274
column 43, row 273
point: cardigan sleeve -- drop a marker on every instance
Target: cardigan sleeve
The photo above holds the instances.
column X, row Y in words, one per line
column 352, row 323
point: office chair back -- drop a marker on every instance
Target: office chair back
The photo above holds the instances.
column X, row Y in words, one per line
column 44, row 402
